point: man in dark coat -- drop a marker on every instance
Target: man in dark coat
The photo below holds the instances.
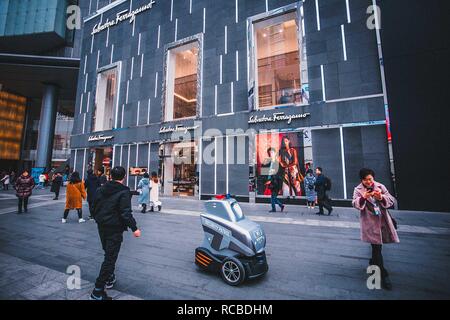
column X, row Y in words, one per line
column 113, row 214
column 56, row 184
column 322, row 185
column 91, row 184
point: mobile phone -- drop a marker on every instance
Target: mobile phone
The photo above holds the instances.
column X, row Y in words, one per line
column 370, row 189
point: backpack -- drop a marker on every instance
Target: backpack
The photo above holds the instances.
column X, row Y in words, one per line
column 327, row 184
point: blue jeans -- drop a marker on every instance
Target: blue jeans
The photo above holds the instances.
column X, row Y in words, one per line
column 275, row 201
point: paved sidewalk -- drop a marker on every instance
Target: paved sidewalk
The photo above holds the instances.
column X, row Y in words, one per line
column 22, row 280
column 309, row 256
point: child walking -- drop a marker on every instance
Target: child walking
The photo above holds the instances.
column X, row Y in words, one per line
column 144, row 187
column 154, row 193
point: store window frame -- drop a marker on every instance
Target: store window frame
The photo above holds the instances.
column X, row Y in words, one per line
column 252, row 68
column 164, row 99
column 115, row 111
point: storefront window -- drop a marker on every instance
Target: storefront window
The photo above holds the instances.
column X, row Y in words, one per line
column 281, row 155
column 101, row 159
column 180, row 168
column 280, row 69
column 181, row 94
column 105, row 100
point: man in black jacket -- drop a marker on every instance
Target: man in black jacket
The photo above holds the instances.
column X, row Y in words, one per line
column 322, row 185
column 112, row 212
column 91, row 184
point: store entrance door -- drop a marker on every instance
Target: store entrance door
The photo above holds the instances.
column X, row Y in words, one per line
column 180, row 169
column 101, row 159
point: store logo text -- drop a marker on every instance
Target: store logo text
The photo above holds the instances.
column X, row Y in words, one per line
column 100, row 138
column 279, row 116
column 122, row 16
column 177, row 128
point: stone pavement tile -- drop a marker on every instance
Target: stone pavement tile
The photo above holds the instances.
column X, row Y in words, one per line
column 11, row 289
column 76, row 294
column 43, row 290
column 45, row 276
column 11, row 276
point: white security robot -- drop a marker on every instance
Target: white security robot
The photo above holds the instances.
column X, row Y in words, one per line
column 233, row 245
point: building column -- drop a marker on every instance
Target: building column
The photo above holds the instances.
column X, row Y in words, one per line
column 47, row 123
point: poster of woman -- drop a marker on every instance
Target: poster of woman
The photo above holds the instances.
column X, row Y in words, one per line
column 286, row 151
column 292, row 177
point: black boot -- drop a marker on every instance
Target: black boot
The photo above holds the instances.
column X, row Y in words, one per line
column 151, row 209
column 144, row 208
column 159, row 208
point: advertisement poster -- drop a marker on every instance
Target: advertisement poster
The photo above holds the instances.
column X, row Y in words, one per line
column 138, row 171
column 280, row 154
column 35, row 173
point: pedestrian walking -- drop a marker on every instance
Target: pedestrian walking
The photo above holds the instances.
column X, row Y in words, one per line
column 154, row 193
column 6, row 180
column 75, row 194
column 113, row 214
column 24, row 188
column 144, row 192
column 274, row 179
column 57, row 181
column 47, row 179
column 310, row 192
column 322, row 185
column 378, row 227
column 91, row 184
column 41, row 180
column 13, row 178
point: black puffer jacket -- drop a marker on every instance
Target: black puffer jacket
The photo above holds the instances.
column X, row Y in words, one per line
column 112, row 207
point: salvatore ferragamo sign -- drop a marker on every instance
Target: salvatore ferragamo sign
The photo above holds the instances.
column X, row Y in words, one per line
column 100, row 137
column 177, row 128
column 121, row 17
column 278, row 116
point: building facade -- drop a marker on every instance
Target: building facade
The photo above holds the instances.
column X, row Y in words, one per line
column 210, row 94
column 40, row 44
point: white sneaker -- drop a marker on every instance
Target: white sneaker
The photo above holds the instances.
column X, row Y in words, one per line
column 81, row 220
column 63, row 220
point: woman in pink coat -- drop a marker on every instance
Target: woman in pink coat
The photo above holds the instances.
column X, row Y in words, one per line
column 372, row 199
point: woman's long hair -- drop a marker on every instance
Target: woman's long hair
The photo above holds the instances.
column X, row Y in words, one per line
column 75, row 177
column 283, row 144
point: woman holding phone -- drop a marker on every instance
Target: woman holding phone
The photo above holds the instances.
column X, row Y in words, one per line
column 373, row 199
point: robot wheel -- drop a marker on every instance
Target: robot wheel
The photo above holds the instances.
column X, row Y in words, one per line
column 232, row 271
